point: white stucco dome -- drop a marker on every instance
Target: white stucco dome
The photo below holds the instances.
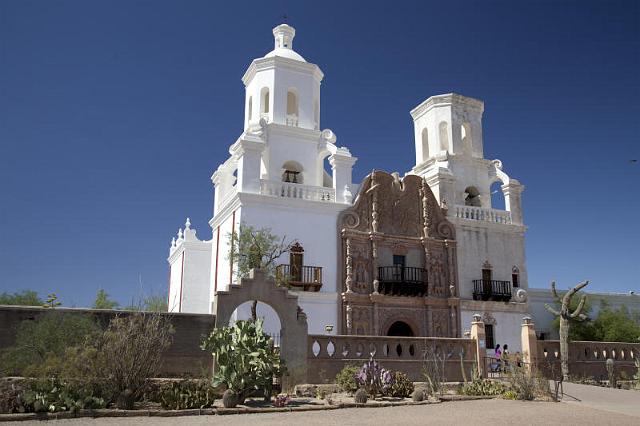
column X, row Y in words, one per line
column 285, row 53
column 283, row 36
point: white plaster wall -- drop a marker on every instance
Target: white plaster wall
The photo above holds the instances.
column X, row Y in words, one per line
column 501, row 245
column 543, row 319
column 321, row 310
column 197, row 277
column 507, row 329
column 284, row 148
column 175, row 279
column 223, row 272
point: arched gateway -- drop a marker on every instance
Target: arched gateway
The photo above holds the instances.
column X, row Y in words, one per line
column 294, row 321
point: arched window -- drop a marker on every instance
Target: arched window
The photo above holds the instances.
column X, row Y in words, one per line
column 264, row 100
column 250, row 109
column 465, row 133
column 472, row 197
column 497, row 197
column 443, row 129
column 292, row 108
column 515, row 277
column 292, row 172
column 425, row 144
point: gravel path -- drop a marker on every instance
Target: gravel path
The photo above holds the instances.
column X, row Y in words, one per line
column 481, row 412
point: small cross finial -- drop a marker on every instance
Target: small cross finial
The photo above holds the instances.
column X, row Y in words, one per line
column 284, row 18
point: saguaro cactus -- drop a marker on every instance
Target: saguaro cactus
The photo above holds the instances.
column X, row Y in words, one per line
column 565, row 315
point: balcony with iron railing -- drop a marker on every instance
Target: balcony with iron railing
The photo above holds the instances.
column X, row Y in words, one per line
column 305, row 278
column 494, row 290
column 402, row 281
column 296, row 190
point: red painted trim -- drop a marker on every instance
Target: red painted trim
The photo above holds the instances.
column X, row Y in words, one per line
column 215, row 275
column 181, row 282
column 168, row 287
column 233, row 230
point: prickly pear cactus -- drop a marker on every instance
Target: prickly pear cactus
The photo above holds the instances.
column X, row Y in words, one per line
column 360, row 397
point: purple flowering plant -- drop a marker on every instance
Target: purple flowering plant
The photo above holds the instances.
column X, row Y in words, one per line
column 374, row 379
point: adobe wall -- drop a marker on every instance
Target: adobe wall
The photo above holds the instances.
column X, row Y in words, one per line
column 184, row 356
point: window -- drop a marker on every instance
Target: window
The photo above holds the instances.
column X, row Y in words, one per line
column 465, row 133
column 296, row 259
column 444, row 136
column 425, row 144
column 514, row 280
column 292, row 172
column 264, row 102
column 489, row 336
column 250, row 112
column 472, row 197
column 399, row 260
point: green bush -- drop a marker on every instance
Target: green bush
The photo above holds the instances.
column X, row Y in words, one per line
column 482, row 387
column 245, row 358
column 48, row 395
column 188, row 394
column 402, row 387
column 41, row 344
column 346, row 378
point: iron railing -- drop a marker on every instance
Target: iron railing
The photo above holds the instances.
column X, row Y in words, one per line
column 402, row 281
column 306, row 278
column 499, row 291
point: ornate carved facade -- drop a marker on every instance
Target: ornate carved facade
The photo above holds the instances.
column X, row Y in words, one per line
column 398, row 261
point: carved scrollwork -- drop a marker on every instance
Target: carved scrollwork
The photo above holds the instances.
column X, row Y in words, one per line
column 351, row 220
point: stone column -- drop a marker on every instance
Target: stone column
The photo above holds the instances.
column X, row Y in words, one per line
column 477, row 333
column 341, row 167
column 249, row 153
column 529, row 343
column 513, row 200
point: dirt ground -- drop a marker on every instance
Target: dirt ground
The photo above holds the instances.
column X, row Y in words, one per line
column 479, row 412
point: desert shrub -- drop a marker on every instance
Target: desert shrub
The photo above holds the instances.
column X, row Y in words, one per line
column 360, row 396
column 187, row 394
column 527, row 384
column 41, row 344
column 374, row 379
column 509, row 394
column 129, row 353
column 482, row 387
column 433, row 363
column 245, row 358
column 282, row 400
column 346, row 378
column 402, row 387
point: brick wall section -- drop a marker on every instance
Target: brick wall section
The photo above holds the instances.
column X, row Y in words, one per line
column 184, row 356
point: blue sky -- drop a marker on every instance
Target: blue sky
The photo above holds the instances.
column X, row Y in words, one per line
column 114, row 114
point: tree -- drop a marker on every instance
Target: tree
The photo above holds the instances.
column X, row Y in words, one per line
column 616, row 326
column 51, row 302
column 152, row 303
column 251, row 248
column 23, row 298
column 565, row 314
column 103, row 302
column 48, row 336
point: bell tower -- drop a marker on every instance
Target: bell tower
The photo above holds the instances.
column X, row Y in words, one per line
column 282, row 87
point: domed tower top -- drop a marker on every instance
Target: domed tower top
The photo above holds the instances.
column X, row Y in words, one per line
column 283, row 36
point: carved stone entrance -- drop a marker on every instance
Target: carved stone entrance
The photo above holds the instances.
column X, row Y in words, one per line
column 293, row 335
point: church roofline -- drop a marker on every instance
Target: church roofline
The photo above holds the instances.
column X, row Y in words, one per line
column 262, row 64
column 446, row 100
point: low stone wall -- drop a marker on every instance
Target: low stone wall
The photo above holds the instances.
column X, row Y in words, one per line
column 184, row 356
column 327, row 355
column 588, row 359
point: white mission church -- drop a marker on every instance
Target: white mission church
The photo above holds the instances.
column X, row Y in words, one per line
column 416, row 255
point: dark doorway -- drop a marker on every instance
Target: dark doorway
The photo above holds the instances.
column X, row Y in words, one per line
column 400, row 328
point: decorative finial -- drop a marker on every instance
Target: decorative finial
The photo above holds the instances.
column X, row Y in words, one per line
column 173, row 242
column 180, row 234
column 187, row 224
